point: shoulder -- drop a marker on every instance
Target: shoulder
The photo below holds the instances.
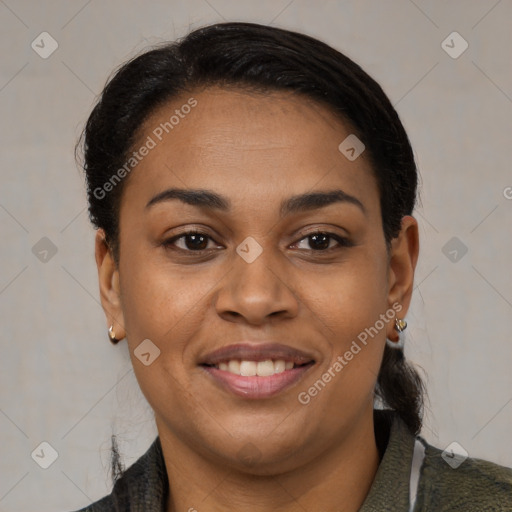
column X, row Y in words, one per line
column 143, row 486
column 453, row 483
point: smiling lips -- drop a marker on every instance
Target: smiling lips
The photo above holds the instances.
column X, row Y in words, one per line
column 256, row 370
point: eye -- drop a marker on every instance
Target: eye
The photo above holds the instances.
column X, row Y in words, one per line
column 197, row 241
column 321, row 241
column 194, row 241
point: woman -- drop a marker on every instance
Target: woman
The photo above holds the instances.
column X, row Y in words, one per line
column 253, row 190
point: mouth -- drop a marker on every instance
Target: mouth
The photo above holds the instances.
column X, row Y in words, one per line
column 256, row 371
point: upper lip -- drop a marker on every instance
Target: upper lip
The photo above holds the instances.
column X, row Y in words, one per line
column 256, row 352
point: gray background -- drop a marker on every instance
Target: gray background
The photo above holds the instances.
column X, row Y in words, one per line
column 62, row 382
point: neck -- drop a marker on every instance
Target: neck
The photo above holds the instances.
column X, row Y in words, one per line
column 340, row 477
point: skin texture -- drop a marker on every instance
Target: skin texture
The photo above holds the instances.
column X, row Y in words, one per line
column 256, row 150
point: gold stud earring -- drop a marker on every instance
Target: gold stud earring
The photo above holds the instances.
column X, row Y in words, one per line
column 112, row 335
column 400, row 324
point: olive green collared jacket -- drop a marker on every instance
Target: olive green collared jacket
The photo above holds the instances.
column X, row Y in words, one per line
column 412, row 476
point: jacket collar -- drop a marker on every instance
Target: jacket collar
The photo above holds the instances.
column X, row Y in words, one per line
column 390, row 487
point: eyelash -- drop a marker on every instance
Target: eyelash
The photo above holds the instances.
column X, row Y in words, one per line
column 342, row 241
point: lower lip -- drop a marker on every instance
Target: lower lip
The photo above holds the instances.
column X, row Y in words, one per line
column 257, row 387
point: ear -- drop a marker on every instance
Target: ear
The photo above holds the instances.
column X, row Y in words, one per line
column 108, row 277
column 403, row 257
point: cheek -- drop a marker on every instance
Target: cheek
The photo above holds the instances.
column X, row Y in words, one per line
column 158, row 302
column 348, row 298
column 348, row 309
column 161, row 306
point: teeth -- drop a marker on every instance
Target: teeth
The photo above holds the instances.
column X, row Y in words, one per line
column 265, row 368
column 248, row 368
column 280, row 366
column 252, row 368
column 234, row 366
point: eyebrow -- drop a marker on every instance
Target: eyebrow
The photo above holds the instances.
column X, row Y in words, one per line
column 294, row 204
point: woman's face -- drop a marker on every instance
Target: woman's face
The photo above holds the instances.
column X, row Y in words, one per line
column 257, row 284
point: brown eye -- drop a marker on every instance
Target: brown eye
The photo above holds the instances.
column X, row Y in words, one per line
column 321, row 241
column 190, row 241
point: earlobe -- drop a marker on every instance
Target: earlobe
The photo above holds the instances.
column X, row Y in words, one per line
column 402, row 264
column 108, row 278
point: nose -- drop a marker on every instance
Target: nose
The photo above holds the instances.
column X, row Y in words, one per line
column 254, row 292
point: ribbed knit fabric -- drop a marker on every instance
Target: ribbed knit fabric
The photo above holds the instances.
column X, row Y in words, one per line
column 142, row 488
column 475, row 486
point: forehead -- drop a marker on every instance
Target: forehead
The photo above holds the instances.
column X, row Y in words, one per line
column 244, row 143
